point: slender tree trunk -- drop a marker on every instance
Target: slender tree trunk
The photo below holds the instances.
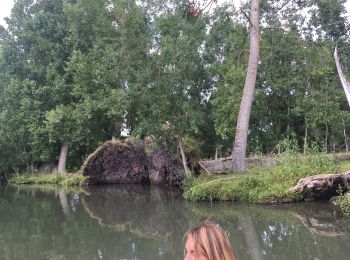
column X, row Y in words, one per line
column 288, row 115
column 344, row 82
column 346, row 87
column 63, row 157
column 305, row 137
column 345, row 137
column 184, row 160
column 240, row 145
column 326, row 141
column 117, row 130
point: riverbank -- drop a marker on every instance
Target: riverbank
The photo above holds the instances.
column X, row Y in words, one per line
column 62, row 179
column 259, row 184
column 263, row 184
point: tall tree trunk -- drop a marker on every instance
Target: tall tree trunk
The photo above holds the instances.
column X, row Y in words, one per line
column 184, row 160
column 63, row 158
column 345, row 137
column 288, row 115
column 344, row 82
column 305, row 137
column 240, row 145
column 117, row 129
column 346, row 87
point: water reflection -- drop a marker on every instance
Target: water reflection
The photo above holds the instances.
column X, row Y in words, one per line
column 251, row 237
column 145, row 222
column 145, row 211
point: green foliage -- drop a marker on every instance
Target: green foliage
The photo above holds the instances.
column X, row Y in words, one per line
column 188, row 182
column 33, row 56
column 192, row 147
column 288, row 146
column 226, row 101
column 173, row 101
column 344, row 203
column 329, row 18
column 82, row 72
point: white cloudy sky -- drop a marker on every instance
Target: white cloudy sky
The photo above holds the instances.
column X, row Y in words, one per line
column 6, row 5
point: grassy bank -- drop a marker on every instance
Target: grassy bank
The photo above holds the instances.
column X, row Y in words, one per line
column 262, row 184
column 63, row 179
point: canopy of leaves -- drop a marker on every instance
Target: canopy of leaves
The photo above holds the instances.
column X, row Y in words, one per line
column 84, row 71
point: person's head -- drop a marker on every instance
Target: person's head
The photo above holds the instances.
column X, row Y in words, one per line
column 207, row 241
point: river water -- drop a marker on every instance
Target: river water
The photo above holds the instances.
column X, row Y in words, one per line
column 143, row 222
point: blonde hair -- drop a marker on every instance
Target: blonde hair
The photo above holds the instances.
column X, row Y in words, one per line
column 211, row 240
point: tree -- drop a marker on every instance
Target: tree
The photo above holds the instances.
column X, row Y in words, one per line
column 224, row 57
column 240, row 144
column 34, row 55
column 327, row 19
column 174, row 99
column 74, row 73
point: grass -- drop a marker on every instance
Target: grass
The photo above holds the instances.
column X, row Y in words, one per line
column 262, row 184
column 63, row 179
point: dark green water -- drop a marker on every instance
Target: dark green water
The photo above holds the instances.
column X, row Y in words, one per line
column 138, row 222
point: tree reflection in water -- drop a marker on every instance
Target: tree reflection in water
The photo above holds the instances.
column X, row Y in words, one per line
column 145, row 222
column 251, row 237
column 147, row 212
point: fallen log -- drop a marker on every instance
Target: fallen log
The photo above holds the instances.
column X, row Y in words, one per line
column 322, row 186
column 224, row 164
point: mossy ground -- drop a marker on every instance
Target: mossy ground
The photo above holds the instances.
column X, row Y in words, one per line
column 63, row 179
column 259, row 184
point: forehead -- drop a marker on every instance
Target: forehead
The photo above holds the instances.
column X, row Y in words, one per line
column 193, row 244
column 190, row 241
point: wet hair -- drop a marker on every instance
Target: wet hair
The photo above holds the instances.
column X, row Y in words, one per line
column 211, row 240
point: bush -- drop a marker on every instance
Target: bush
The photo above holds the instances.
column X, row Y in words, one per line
column 344, row 203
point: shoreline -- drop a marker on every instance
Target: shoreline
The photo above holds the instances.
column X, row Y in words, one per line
column 259, row 185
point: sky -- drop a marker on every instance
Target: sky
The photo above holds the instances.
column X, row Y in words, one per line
column 5, row 9
column 6, row 5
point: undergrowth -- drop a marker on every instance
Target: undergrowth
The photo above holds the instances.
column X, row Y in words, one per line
column 344, row 203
